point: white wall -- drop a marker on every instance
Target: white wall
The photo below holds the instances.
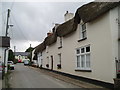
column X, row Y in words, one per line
column 101, row 36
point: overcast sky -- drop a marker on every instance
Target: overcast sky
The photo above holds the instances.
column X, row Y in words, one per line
column 32, row 20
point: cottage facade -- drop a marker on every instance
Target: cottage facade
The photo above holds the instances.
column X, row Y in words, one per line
column 87, row 45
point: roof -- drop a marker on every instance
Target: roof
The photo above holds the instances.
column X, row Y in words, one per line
column 86, row 13
column 92, row 10
column 21, row 53
column 40, row 48
column 4, row 41
column 66, row 28
column 50, row 39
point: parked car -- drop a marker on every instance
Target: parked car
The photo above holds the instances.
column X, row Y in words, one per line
column 1, row 69
column 26, row 62
column 19, row 61
column 1, row 66
column 34, row 63
column 11, row 65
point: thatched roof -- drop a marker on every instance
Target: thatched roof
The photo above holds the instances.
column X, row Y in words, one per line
column 50, row 39
column 91, row 11
column 40, row 48
column 66, row 28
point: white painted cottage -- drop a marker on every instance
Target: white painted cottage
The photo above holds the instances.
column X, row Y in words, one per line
column 86, row 46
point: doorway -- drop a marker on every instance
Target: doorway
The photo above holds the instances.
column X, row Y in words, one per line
column 51, row 62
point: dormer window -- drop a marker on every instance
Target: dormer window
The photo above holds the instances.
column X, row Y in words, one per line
column 60, row 43
column 83, row 31
column 46, row 49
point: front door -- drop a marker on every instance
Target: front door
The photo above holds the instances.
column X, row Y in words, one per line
column 51, row 62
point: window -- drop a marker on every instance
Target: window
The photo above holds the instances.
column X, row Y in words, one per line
column 59, row 58
column 59, row 62
column 46, row 49
column 83, row 58
column 83, row 31
column 60, row 42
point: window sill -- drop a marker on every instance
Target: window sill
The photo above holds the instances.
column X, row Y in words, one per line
column 59, row 47
column 83, row 70
column 82, row 39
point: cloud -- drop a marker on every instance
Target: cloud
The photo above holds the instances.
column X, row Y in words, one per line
column 32, row 20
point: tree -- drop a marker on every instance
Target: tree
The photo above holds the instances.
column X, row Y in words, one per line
column 10, row 55
column 30, row 49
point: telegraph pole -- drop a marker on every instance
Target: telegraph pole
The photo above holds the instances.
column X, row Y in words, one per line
column 7, row 26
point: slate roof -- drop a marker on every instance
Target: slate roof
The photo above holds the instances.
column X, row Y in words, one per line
column 21, row 53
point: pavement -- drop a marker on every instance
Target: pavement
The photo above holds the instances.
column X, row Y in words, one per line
column 29, row 77
column 78, row 83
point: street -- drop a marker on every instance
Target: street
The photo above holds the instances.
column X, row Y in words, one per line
column 28, row 77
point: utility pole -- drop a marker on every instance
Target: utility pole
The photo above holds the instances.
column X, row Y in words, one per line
column 14, row 49
column 14, row 54
column 30, row 54
column 7, row 26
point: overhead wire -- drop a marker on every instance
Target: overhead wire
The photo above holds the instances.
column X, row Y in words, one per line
column 19, row 28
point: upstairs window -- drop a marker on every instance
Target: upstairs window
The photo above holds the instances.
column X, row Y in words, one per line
column 83, row 34
column 60, row 43
column 46, row 49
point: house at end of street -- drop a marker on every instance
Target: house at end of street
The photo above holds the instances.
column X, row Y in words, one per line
column 86, row 46
column 21, row 56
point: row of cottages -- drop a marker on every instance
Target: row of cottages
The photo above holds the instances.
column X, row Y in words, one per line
column 86, row 45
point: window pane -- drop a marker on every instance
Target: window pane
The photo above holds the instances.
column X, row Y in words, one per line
column 83, row 26
column 78, row 61
column 82, row 50
column 88, row 60
column 59, row 55
column 82, row 60
column 77, row 51
column 83, row 34
column 60, row 41
column 88, row 49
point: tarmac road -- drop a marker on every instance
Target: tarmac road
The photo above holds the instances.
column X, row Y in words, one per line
column 27, row 77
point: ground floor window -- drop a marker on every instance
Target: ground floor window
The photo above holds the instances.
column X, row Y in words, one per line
column 83, row 58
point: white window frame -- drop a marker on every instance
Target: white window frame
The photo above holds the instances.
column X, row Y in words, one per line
column 47, row 49
column 85, row 54
column 60, row 42
column 59, row 58
column 83, row 31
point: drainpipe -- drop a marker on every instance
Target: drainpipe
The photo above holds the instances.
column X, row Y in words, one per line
column 5, row 63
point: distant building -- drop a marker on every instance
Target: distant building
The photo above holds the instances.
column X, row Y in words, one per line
column 21, row 55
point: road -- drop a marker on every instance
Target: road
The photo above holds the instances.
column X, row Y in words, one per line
column 27, row 77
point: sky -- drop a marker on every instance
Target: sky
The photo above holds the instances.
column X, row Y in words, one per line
column 32, row 20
